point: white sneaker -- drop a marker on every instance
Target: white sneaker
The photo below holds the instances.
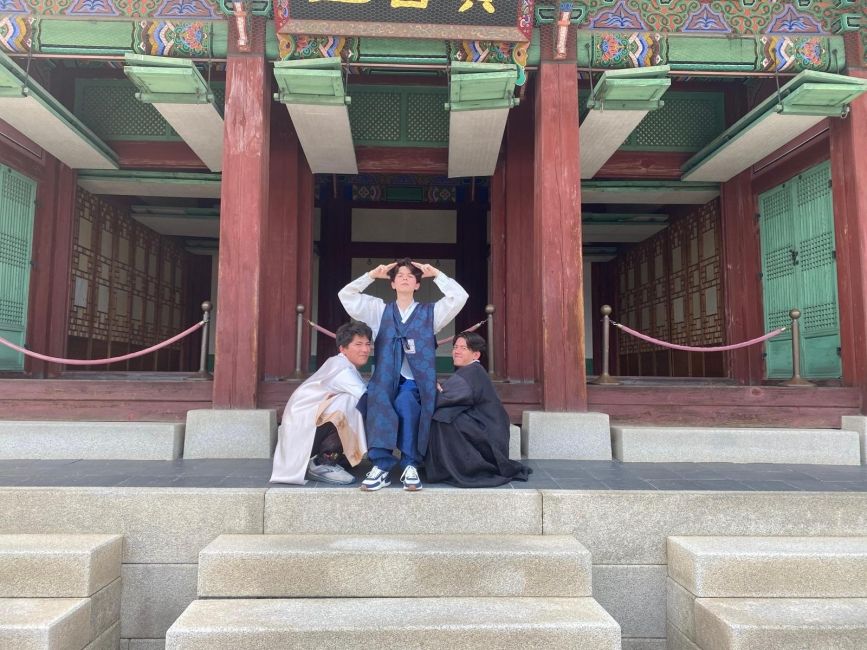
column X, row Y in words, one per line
column 328, row 473
column 411, row 481
column 376, row 479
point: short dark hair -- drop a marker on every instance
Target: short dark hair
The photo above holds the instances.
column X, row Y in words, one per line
column 474, row 341
column 348, row 331
column 399, row 264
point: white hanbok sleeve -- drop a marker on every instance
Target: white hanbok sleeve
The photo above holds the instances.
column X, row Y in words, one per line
column 453, row 300
column 367, row 309
column 347, row 381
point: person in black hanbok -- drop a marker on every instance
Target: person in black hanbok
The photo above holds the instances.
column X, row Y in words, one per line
column 469, row 435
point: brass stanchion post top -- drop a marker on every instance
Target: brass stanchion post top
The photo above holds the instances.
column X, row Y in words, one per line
column 299, row 309
column 207, row 306
column 489, row 309
column 795, row 314
column 606, row 310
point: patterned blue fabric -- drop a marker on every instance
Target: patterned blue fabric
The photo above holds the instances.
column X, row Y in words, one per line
column 382, row 422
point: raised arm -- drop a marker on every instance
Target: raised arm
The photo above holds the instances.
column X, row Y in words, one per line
column 367, row 309
column 453, row 300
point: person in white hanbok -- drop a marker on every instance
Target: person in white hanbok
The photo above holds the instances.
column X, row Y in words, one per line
column 322, row 419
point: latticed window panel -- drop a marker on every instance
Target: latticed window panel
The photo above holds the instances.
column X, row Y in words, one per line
column 375, row 117
column 410, row 116
column 125, row 277
column 11, row 312
column 671, row 284
column 686, row 122
column 109, row 108
column 428, row 121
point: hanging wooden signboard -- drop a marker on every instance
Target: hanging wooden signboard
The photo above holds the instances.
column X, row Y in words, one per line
column 496, row 20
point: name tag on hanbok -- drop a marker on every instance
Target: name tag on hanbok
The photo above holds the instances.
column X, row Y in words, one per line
column 409, row 346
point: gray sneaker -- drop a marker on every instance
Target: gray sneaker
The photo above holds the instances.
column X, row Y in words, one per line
column 328, row 473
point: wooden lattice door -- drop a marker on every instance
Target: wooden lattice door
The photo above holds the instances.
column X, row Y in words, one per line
column 17, row 207
column 799, row 269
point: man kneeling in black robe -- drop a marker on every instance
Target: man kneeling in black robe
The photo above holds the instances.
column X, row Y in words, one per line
column 469, row 435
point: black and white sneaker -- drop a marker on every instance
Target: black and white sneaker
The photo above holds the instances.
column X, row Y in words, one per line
column 376, row 479
column 411, row 481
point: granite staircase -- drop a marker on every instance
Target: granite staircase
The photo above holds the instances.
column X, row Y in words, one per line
column 389, row 591
column 780, row 593
column 60, row 592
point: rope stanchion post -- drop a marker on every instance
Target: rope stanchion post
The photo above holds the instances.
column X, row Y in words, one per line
column 299, row 325
column 203, row 355
column 489, row 310
column 605, row 379
column 796, row 379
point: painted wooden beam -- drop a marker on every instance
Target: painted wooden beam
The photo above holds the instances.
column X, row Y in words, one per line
column 402, row 160
column 849, row 187
column 644, row 165
column 557, row 268
column 156, row 155
column 244, row 206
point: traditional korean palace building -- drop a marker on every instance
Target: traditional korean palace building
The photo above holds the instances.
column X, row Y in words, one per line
column 698, row 166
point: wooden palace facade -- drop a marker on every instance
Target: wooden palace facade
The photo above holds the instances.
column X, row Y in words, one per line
column 699, row 166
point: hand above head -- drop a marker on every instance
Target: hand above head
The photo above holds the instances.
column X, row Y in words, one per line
column 381, row 271
column 427, row 270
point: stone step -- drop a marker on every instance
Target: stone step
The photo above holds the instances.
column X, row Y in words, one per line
column 419, row 623
column 343, row 566
column 45, row 623
column 770, row 567
column 781, row 623
column 735, row 445
column 58, row 565
column 91, row 440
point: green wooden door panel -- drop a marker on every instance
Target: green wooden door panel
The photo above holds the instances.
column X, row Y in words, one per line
column 17, row 203
column 817, row 268
column 799, row 269
column 778, row 274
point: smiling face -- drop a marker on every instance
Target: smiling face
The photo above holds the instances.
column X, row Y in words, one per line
column 405, row 281
column 357, row 351
column 462, row 355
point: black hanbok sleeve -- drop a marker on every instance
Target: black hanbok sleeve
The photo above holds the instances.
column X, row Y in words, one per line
column 455, row 398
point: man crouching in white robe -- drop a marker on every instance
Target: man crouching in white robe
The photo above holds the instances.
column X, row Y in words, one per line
column 321, row 419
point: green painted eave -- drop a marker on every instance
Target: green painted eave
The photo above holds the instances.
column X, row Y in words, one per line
column 478, row 86
column 14, row 82
column 310, row 81
column 809, row 93
column 626, row 218
column 631, row 89
column 161, row 79
column 172, row 178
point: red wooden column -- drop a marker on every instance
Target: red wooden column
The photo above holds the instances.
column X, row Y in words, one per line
column 741, row 280
column 557, row 269
column 48, row 319
column 512, row 248
column 305, row 250
column 280, row 250
column 849, row 186
column 243, row 212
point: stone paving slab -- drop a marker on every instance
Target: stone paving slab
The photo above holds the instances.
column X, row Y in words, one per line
column 770, row 567
column 547, row 474
column 45, row 623
column 370, row 566
column 814, row 623
column 58, row 565
column 360, row 624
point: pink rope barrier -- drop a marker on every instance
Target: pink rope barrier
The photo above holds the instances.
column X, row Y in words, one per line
column 448, row 339
column 689, row 348
column 100, row 362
